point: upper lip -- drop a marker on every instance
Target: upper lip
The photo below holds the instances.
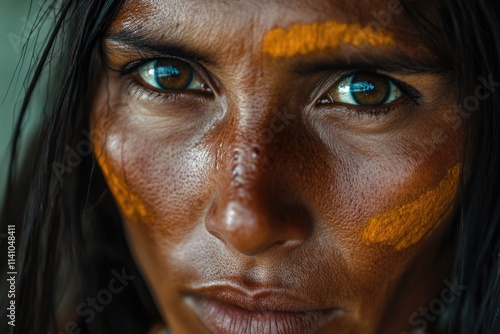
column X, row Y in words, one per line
column 263, row 299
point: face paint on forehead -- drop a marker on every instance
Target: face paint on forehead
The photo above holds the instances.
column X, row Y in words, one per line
column 302, row 39
column 408, row 222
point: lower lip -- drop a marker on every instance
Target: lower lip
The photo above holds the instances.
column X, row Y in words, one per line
column 223, row 318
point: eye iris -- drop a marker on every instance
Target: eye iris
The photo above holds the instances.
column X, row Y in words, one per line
column 369, row 89
column 173, row 74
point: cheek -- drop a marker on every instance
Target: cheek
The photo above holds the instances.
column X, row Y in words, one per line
column 410, row 220
column 156, row 179
column 393, row 192
column 130, row 204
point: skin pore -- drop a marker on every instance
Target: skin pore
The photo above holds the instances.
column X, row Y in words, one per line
column 130, row 205
column 254, row 192
column 408, row 222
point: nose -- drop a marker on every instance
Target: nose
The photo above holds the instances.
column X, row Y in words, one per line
column 253, row 210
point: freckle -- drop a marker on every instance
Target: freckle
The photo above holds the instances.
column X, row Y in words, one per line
column 409, row 222
column 302, row 39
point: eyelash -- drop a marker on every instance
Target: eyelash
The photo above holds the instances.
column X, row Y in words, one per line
column 412, row 95
column 134, row 87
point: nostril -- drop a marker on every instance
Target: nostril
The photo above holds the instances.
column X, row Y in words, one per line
column 251, row 226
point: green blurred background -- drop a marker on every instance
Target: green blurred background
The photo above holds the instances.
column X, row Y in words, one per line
column 17, row 21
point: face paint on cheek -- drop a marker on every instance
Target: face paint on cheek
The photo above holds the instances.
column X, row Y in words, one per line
column 305, row 38
column 130, row 204
column 409, row 222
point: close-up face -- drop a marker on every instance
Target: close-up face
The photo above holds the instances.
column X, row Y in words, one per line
column 279, row 166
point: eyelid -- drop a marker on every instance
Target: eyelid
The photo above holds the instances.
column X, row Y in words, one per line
column 336, row 78
column 135, row 64
column 132, row 69
column 408, row 90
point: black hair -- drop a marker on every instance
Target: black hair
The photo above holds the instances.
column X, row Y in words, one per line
column 69, row 233
column 68, row 230
column 474, row 27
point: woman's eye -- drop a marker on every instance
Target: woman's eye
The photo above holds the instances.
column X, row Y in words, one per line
column 365, row 90
column 171, row 74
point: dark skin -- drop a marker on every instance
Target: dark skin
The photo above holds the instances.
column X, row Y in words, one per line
column 215, row 189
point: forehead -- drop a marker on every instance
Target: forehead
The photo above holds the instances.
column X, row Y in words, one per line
column 217, row 10
column 210, row 20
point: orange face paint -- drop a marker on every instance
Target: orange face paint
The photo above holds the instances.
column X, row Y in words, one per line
column 302, row 39
column 409, row 222
column 130, row 205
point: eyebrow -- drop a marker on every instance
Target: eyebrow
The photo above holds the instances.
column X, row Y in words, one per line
column 346, row 46
column 343, row 58
column 392, row 60
column 142, row 43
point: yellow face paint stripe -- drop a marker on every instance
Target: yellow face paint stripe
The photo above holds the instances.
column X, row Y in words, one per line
column 130, row 205
column 408, row 223
column 317, row 37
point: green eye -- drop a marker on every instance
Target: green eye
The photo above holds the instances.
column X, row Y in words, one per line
column 365, row 90
column 170, row 74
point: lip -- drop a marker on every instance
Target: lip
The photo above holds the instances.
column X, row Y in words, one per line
column 232, row 309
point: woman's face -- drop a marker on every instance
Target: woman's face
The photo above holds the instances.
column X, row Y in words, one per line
column 280, row 166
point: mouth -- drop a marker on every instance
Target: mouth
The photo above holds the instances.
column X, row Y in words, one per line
column 226, row 308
